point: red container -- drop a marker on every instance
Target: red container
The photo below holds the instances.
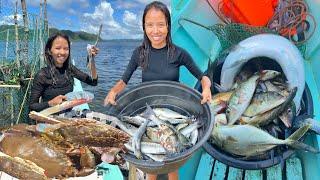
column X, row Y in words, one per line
column 256, row 12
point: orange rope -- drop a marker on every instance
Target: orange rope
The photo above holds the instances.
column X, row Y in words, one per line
column 290, row 15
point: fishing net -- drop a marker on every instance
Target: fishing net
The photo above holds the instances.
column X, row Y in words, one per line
column 21, row 44
column 231, row 34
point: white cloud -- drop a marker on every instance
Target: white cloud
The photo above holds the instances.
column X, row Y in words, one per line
column 68, row 21
column 34, row 3
column 83, row 3
column 103, row 13
column 130, row 19
column 167, row 2
column 9, row 20
column 72, row 11
column 125, row 4
column 127, row 27
column 59, row 4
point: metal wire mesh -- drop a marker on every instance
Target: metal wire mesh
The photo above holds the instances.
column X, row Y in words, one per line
column 20, row 51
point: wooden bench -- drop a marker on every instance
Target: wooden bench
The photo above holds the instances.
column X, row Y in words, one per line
column 209, row 168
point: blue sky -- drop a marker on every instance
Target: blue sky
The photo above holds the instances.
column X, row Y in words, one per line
column 121, row 18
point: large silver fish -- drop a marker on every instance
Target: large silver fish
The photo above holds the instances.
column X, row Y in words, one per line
column 263, row 102
column 267, row 117
column 240, row 99
column 247, row 140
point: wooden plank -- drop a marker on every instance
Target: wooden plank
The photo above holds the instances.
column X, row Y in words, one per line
column 9, row 86
column 253, row 175
column 235, row 173
column 219, row 171
column 132, row 172
column 205, row 167
column 294, row 169
column 274, row 173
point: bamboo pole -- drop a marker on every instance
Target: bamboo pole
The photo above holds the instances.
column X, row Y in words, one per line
column 26, row 31
column 17, row 35
column 7, row 44
column 46, row 25
column 11, row 106
column 41, row 36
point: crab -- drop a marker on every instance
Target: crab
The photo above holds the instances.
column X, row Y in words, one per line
column 20, row 168
column 86, row 132
column 53, row 158
column 60, row 147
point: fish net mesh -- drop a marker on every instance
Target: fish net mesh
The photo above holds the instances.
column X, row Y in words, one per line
column 21, row 45
column 231, row 34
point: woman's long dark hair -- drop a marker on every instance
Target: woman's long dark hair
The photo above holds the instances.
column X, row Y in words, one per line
column 50, row 60
column 146, row 44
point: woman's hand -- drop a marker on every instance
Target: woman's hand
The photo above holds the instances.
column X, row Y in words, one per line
column 206, row 90
column 206, row 95
column 110, row 98
column 57, row 100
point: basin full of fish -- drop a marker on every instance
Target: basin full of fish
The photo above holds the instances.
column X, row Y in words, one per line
column 257, row 117
column 158, row 133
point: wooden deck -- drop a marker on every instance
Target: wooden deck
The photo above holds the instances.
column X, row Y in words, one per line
column 209, row 168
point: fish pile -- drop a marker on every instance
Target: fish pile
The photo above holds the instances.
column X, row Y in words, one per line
column 158, row 133
column 256, row 115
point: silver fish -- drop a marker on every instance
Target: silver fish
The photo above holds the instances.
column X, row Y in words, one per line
column 240, row 99
column 148, row 148
column 137, row 120
column 247, row 140
column 265, row 118
column 263, row 102
column 136, row 139
column 182, row 142
column 157, row 157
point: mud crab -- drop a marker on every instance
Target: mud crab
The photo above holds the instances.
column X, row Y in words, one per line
column 24, row 169
column 53, row 158
column 63, row 149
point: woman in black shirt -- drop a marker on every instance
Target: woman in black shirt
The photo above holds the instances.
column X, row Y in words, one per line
column 51, row 83
column 159, row 58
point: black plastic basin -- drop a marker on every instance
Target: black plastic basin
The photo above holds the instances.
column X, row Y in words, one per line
column 174, row 96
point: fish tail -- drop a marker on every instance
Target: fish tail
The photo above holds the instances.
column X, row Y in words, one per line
column 304, row 147
column 293, row 140
column 298, row 134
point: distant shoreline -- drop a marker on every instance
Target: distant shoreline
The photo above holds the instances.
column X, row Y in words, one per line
column 76, row 36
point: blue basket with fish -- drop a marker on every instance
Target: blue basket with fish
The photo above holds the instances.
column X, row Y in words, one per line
column 173, row 96
column 253, row 64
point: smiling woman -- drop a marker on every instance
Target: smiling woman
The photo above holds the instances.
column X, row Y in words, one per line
column 51, row 83
column 159, row 58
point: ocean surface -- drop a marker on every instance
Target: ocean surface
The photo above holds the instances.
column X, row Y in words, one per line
column 111, row 63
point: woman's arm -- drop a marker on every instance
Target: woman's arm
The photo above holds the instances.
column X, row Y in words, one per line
column 116, row 89
column 83, row 76
column 122, row 83
column 36, row 92
column 187, row 61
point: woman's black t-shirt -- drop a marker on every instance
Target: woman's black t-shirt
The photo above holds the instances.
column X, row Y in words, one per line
column 162, row 67
column 45, row 87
